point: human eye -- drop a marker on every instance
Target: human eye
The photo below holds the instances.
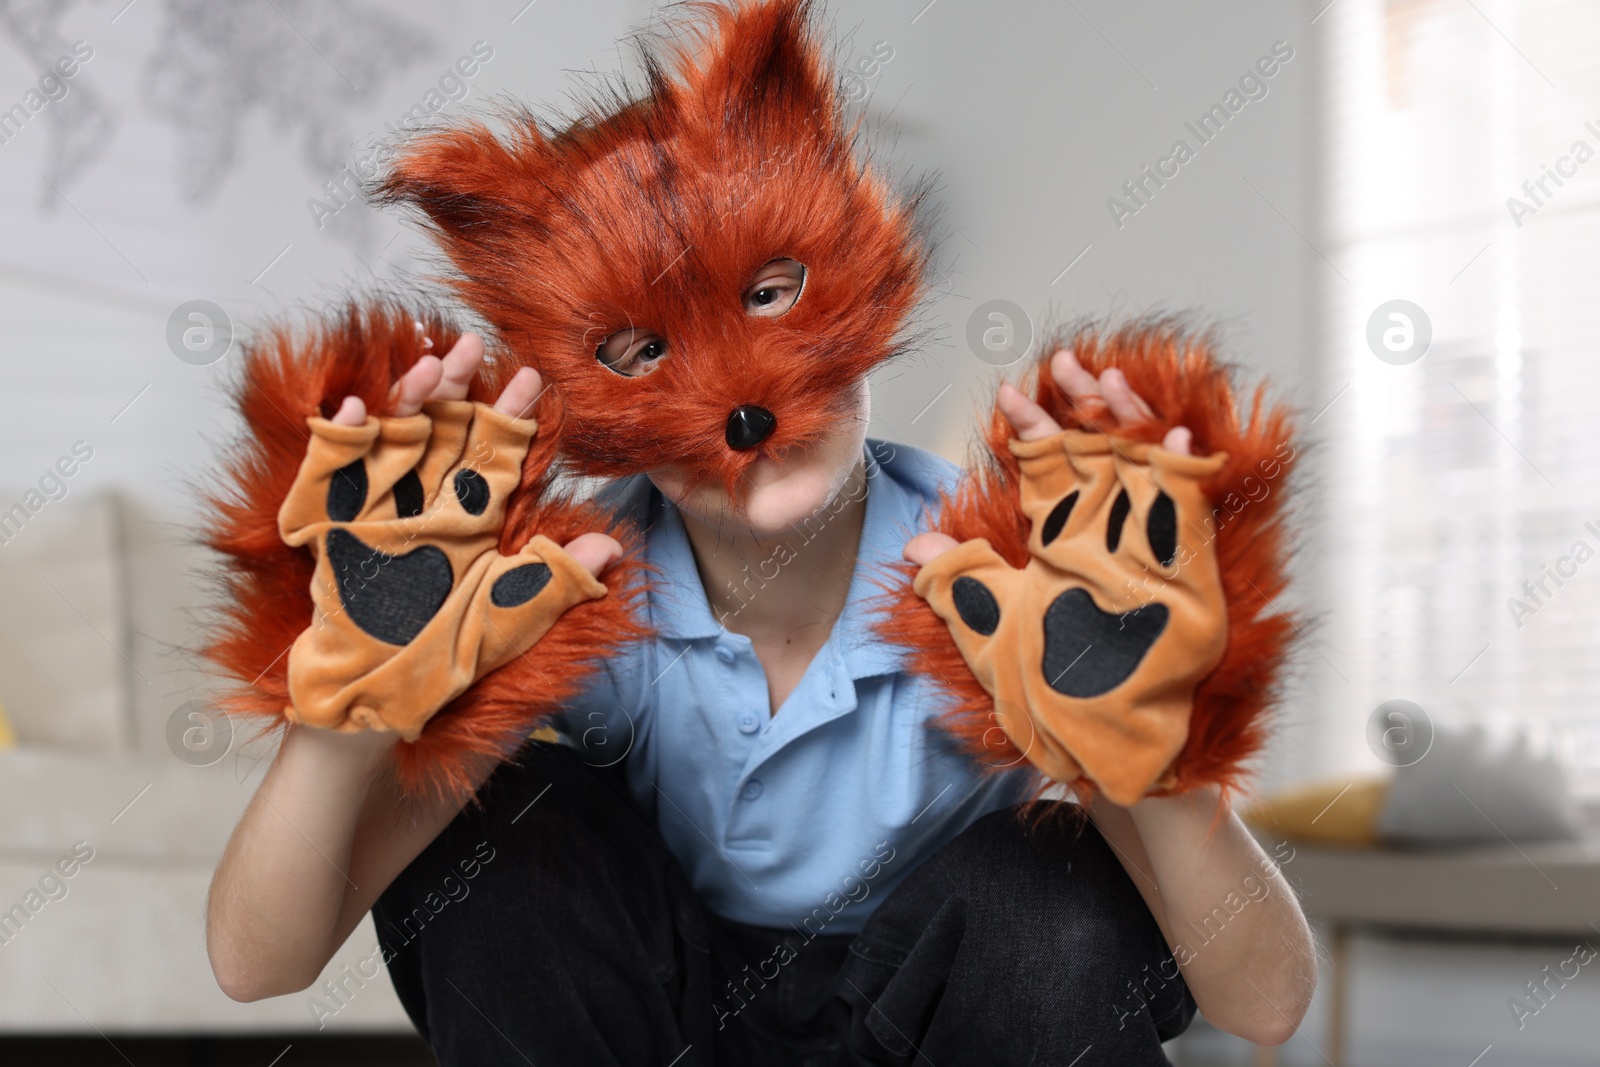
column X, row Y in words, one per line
column 775, row 289
column 633, row 352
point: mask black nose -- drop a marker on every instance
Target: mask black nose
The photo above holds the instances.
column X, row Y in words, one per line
column 748, row 426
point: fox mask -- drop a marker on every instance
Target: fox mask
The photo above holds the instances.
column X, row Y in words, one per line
column 655, row 215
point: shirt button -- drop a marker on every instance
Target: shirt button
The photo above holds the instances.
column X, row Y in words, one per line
column 752, row 789
column 726, row 654
column 748, row 723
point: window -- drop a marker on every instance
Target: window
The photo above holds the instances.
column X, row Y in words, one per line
column 1462, row 175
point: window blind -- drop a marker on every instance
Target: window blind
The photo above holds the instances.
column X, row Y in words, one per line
column 1461, row 151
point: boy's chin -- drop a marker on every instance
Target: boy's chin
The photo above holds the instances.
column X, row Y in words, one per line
column 782, row 499
column 783, row 493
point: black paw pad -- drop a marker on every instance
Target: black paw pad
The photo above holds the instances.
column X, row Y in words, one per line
column 519, row 585
column 347, row 492
column 408, row 496
column 472, row 491
column 976, row 605
column 390, row 597
column 1089, row 652
column 1117, row 520
column 1057, row 519
column 1162, row 529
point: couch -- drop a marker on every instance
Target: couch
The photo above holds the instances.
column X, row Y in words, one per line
column 113, row 817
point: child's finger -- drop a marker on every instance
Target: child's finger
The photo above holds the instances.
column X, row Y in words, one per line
column 1178, row 440
column 924, row 548
column 460, row 366
column 353, row 412
column 1125, row 404
column 418, row 383
column 595, row 551
column 1070, row 375
column 520, row 393
column 1029, row 420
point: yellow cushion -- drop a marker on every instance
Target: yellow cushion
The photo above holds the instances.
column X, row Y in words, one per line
column 8, row 736
column 1337, row 812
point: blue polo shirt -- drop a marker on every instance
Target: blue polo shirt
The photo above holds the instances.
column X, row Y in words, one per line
column 809, row 817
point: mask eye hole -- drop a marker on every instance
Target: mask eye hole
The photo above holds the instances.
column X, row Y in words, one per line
column 775, row 289
column 633, row 352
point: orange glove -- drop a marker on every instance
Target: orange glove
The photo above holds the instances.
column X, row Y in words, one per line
column 1092, row 651
column 413, row 601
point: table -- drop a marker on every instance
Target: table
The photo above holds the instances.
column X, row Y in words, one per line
column 1490, row 892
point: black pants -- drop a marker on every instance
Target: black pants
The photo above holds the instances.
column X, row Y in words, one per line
column 553, row 927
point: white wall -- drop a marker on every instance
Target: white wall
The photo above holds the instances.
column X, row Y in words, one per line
column 1035, row 120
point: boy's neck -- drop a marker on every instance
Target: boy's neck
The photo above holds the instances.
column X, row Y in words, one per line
column 766, row 585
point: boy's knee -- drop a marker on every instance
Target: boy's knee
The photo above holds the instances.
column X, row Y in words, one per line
column 1043, row 861
column 1035, row 915
column 1048, row 892
column 558, row 850
column 554, row 845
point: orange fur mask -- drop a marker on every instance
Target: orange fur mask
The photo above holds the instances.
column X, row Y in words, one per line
column 655, row 215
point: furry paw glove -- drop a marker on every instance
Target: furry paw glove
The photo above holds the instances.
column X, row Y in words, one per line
column 413, row 602
column 1092, row 650
column 1112, row 614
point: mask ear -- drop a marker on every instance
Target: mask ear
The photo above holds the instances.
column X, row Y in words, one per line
column 752, row 71
column 466, row 180
column 760, row 66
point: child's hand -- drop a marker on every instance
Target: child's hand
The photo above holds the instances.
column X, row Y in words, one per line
column 404, row 514
column 1092, row 648
column 1031, row 422
column 432, row 378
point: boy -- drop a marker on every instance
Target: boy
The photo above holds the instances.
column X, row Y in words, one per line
column 753, row 847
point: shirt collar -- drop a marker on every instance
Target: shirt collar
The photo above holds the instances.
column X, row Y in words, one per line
column 892, row 517
column 680, row 610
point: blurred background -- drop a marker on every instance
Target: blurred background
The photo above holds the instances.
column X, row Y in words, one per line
column 1387, row 208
